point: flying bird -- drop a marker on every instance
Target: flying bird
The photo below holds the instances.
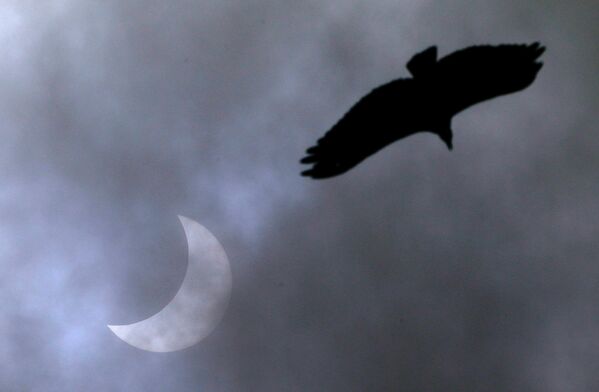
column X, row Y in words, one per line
column 426, row 102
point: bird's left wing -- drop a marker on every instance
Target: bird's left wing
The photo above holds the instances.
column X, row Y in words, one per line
column 478, row 73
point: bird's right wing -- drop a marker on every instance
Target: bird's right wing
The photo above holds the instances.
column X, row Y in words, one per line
column 423, row 63
column 372, row 123
column 478, row 73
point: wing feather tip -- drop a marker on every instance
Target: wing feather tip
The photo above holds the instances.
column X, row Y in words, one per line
column 319, row 173
column 309, row 159
column 309, row 173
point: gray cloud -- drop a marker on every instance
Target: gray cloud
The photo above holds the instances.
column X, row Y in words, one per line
column 419, row 270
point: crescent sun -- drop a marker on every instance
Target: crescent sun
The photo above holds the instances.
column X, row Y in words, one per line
column 198, row 306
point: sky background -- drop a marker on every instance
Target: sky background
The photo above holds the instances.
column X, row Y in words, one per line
column 419, row 270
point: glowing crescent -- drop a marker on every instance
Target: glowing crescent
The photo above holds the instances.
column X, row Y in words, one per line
column 197, row 307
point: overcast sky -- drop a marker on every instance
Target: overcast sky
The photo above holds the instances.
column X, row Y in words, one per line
column 419, row 270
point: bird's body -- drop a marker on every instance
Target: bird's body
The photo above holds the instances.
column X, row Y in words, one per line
column 426, row 102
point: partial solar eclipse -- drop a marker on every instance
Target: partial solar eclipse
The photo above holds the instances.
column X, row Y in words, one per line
column 198, row 306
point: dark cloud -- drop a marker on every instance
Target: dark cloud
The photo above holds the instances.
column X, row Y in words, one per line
column 419, row 270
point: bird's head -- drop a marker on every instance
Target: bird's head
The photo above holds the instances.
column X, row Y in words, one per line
column 447, row 136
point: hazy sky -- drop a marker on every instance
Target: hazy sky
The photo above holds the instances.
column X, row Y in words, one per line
column 420, row 270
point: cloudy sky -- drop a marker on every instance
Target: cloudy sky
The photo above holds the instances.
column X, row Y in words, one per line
column 420, row 270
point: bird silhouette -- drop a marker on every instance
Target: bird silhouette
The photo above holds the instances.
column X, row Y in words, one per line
column 426, row 102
